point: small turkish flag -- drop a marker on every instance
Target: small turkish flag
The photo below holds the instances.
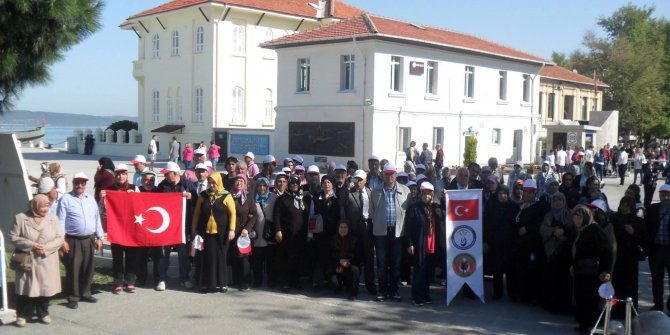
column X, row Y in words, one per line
column 463, row 210
column 145, row 219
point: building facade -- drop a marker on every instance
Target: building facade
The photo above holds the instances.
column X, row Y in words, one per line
column 370, row 85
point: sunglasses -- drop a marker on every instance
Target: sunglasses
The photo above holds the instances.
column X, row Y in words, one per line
column 79, row 182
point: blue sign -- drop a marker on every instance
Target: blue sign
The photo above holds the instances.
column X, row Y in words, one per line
column 258, row 144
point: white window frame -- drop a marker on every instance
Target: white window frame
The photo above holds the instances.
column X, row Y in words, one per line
column 404, row 137
column 170, row 107
column 269, row 107
column 155, row 46
column 269, row 36
column 438, row 136
column 304, row 72
column 502, row 85
column 200, row 39
column 397, row 73
column 496, row 134
column 197, row 115
column 347, row 72
column 526, row 88
column 237, row 105
column 175, row 43
column 551, row 107
column 469, row 83
column 180, row 115
column 238, row 39
column 585, row 108
column 431, row 77
column 155, row 106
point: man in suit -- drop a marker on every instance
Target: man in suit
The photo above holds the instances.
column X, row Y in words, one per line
column 658, row 232
column 355, row 206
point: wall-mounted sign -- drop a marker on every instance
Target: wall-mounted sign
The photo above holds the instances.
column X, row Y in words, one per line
column 241, row 144
column 572, row 138
column 416, row 68
column 322, row 138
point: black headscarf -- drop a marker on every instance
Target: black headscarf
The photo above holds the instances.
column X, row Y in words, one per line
column 106, row 163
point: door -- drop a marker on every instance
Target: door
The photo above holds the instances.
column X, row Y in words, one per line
column 517, row 147
column 221, row 139
column 560, row 138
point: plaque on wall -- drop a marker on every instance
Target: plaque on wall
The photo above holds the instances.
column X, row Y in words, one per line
column 242, row 143
column 322, row 138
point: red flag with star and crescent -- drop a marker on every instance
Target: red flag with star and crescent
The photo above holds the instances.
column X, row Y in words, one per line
column 463, row 210
column 145, row 219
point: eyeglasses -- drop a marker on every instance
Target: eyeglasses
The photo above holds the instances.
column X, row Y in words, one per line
column 79, row 182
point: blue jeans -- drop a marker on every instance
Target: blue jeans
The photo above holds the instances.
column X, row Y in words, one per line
column 389, row 250
column 599, row 170
column 214, row 162
column 184, row 262
column 635, row 176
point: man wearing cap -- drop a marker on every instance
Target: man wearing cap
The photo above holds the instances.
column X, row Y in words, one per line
column 340, row 176
column 297, row 160
column 173, row 182
column 516, row 174
column 355, row 204
column 78, row 215
column 140, row 164
column 46, row 186
column 269, row 166
column 153, row 150
column 657, row 223
column 313, row 179
column 388, row 203
column 201, row 172
column 374, row 178
column 252, row 168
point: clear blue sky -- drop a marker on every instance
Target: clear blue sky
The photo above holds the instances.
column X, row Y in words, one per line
column 96, row 75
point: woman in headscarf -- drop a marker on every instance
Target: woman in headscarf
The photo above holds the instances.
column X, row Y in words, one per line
column 634, row 191
column 591, row 261
column 630, row 233
column 290, row 218
column 557, row 231
column 343, row 261
column 59, row 177
column 542, row 177
column 104, row 177
column 490, row 186
column 38, row 234
column 592, row 192
column 263, row 255
column 325, row 205
column 245, row 209
column 569, row 190
column 214, row 220
column 499, row 235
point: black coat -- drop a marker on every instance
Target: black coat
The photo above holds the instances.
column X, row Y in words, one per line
column 652, row 222
column 592, row 243
column 415, row 230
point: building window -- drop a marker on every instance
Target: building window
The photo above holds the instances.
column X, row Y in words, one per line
column 347, row 67
column 438, row 136
column 197, row 117
column 595, row 104
column 170, row 107
column 431, row 78
column 404, row 135
column 238, row 105
column 238, row 39
column 550, row 105
column 495, row 139
column 539, row 102
column 180, row 117
column 155, row 46
column 155, row 107
column 175, row 43
column 526, row 88
column 200, row 39
column 268, row 106
column 585, row 108
column 469, row 82
column 502, row 85
column 396, row 73
column 269, row 36
column 303, row 75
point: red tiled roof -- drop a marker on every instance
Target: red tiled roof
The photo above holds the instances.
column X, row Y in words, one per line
column 561, row 73
column 374, row 26
column 291, row 7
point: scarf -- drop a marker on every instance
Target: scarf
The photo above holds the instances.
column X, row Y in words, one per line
column 219, row 191
column 35, row 204
column 241, row 194
column 561, row 215
column 262, row 199
column 297, row 198
column 428, row 211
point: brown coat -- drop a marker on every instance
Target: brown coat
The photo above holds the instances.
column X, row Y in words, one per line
column 44, row 279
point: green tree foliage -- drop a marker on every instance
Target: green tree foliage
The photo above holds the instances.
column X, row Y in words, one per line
column 126, row 125
column 470, row 151
column 561, row 60
column 34, row 34
column 633, row 59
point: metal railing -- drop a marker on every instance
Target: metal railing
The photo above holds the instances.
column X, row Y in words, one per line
column 607, row 313
column 6, row 315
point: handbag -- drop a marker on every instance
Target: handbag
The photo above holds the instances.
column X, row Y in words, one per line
column 21, row 261
column 269, row 232
column 315, row 224
column 253, row 235
column 586, row 267
column 149, row 150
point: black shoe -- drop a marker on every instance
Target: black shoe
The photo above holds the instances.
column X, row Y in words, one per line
column 428, row 300
column 352, row 297
column 656, row 308
column 417, row 302
column 396, row 297
column 372, row 291
column 90, row 299
column 380, row 298
column 286, row 289
column 72, row 305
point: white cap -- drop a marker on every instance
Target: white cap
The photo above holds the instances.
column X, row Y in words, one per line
column 138, row 159
column 208, row 164
column 171, row 167
column 199, row 151
column 121, row 167
column 80, row 175
column 340, row 167
column 519, row 163
column 250, row 155
column 421, row 176
column 298, row 158
column 313, row 169
column 665, row 188
column 269, row 159
column 410, row 183
column 360, row 174
column 45, row 185
column 286, row 170
column 373, row 158
column 389, row 168
column 598, row 204
column 201, row 166
column 529, row 184
column 299, row 168
column 420, row 166
column 426, row 186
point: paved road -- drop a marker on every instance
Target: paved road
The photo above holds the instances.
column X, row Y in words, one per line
column 268, row 311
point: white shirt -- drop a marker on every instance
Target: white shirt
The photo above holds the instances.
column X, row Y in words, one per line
column 560, row 158
column 570, row 153
column 623, row 158
column 552, row 160
column 589, row 155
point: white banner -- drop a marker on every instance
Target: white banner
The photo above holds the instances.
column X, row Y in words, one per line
column 464, row 242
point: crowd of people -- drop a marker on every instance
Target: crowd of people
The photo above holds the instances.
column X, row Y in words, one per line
column 550, row 239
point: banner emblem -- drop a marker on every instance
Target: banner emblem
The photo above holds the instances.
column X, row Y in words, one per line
column 464, row 265
column 463, row 237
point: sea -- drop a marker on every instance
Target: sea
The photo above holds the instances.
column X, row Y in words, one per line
column 56, row 136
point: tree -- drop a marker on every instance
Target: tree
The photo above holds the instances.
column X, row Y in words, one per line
column 34, row 35
column 561, row 60
column 470, row 151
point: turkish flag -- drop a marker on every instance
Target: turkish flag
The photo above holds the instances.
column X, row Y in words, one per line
column 145, row 219
column 463, row 210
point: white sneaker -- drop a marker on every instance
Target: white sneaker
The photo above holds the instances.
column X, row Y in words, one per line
column 187, row 284
column 46, row 320
column 20, row 322
column 160, row 286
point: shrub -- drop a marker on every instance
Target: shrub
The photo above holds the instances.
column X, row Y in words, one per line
column 470, row 152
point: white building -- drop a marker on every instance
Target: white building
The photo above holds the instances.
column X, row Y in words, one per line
column 370, row 85
column 201, row 74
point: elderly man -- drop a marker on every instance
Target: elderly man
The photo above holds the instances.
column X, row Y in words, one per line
column 173, row 182
column 340, row 176
column 388, row 204
column 46, row 186
column 78, row 215
column 140, row 164
column 374, row 178
column 355, row 204
column 496, row 170
column 516, row 174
